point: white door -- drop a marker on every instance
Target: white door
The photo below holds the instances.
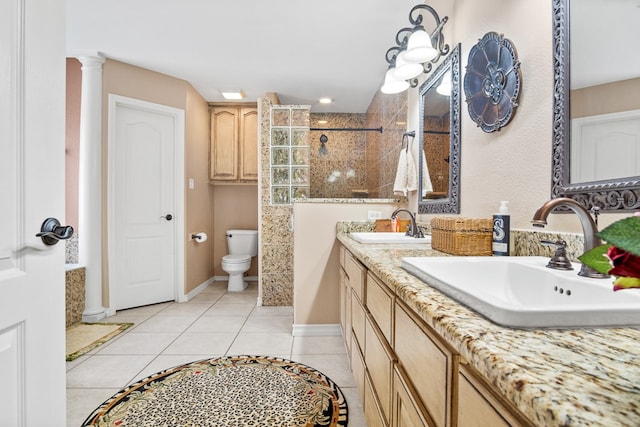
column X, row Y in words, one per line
column 143, row 209
column 32, row 313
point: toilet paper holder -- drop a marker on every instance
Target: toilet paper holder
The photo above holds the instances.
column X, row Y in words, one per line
column 199, row 237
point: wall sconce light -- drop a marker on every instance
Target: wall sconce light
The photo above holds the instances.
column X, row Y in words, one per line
column 415, row 51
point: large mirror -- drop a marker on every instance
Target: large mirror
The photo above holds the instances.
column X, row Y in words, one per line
column 439, row 132
column 596, row 132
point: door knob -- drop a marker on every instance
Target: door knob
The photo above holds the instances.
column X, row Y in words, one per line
column 51, row 232
column 168, row 217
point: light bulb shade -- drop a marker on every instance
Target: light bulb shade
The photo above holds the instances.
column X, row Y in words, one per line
column 444, row 88
column 406, row 70
column 392, row 84
column 419, row 47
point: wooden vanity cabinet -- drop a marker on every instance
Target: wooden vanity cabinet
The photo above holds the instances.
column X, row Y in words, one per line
column 406, row 373
column 234, row 144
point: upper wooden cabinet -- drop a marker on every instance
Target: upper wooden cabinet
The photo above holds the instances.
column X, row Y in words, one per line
column 234, row 144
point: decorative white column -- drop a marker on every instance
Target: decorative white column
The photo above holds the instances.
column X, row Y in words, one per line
column 90, row 185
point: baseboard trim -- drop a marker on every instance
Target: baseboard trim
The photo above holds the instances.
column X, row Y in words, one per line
column 226, row 278
column 197, row 290
column 323, row 330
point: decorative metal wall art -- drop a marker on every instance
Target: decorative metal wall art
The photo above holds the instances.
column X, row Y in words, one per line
column 492, row 82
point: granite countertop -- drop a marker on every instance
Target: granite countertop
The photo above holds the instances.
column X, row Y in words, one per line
column 555, row 377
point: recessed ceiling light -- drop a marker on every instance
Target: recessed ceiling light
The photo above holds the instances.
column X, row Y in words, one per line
column 325, row 100
column 232, row 94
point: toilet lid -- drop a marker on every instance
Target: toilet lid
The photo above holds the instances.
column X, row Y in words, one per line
column 236, row 259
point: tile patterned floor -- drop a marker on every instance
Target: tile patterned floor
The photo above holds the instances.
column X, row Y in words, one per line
column 214, row 323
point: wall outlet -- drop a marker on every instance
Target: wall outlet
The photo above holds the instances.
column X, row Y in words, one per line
column 192, row 184
column 374, row 215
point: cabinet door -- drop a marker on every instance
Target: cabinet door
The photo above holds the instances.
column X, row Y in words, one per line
column 248, row 143
column 478, row 406
column 372, row 414
column 429, row 365
column 379, row 360
column 405, row 407
column 224, row 144
column 380, row 305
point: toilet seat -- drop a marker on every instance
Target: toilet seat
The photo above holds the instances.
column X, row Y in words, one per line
column 236, row 259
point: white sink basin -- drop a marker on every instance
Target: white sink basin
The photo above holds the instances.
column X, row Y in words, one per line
column 523, row 292
column 387, row 237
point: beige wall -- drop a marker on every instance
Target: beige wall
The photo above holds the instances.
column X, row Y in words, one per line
column 199, row 203
column 134, row 82
column 315, row 268
column 72, row 141
column 606, row 98
column 235, row 207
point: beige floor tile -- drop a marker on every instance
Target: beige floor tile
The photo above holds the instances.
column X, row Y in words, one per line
column 238, row 298
column 201, row 343
column 107, row 371
column 185, row 309
column 139, row 343
column 206, row 298
column 217, row 324
column 273, row 311
column 163, row 362
column 222, row 309
column 81, row 402
column 268, row 323
column 164, row 324
column 261, row 343
column 318, row 345
column 354, row 407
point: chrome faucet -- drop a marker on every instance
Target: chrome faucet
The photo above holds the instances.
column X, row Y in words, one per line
column 589, row 228
column 413, row 230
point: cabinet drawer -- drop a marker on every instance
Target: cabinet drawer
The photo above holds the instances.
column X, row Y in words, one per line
column 406, row 412
column 356, row 273
column 428, row 364
column 379, row 361
column 478, row 406
column 380, row 305
column 358, row 368
column 358, row 317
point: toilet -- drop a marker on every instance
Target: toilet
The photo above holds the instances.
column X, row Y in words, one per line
column 242, row 245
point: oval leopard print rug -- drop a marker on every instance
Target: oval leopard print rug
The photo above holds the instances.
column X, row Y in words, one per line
column 225, row 392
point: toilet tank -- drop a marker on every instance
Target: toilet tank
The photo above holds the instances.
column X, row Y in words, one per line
column 242, row 242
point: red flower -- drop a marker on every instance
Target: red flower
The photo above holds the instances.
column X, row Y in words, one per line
column 624, row 263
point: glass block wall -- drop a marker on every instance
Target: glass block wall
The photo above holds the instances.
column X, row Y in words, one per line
column 289, row 154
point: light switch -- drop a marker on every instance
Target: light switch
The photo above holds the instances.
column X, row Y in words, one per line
column 192, row 184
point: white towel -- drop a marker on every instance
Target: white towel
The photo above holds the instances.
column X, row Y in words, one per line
column 427, row 187
column 406, row 175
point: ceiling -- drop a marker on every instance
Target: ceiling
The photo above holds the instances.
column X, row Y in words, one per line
column 301, row 50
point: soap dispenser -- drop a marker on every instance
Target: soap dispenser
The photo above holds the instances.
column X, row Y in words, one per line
column 501, row 231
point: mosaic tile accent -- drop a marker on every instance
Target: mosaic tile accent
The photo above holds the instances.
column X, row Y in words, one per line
column 71, row 249
column 74, row 295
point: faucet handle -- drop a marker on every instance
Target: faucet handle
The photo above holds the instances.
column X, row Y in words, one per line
column 559, row 260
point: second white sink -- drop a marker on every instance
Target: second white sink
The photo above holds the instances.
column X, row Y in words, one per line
column 387, row 237
column 523, row 292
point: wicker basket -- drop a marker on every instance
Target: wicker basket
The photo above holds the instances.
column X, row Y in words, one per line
column 462, row 236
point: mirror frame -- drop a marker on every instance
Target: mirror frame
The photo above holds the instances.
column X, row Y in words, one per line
column 451, row 204
column 614, row 195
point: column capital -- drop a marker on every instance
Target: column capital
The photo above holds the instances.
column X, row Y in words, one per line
column 90, row 59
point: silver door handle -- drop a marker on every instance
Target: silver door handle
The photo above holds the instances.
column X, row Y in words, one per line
column 51, row 232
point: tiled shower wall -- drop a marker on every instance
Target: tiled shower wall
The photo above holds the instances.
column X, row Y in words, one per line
column 382, row 150
column 436, row 146
column 340, row 170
